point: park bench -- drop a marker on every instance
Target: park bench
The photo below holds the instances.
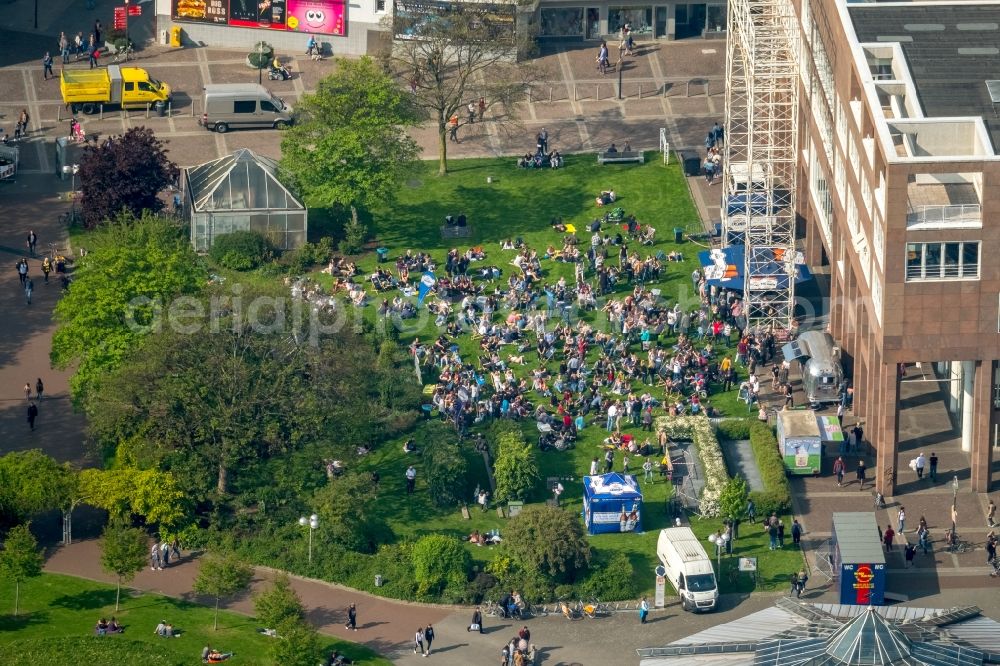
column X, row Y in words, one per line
column 631, row 156
column 455, row 232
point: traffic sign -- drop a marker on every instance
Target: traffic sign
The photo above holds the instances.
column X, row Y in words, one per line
column 120, row 20
column 135, row 10
column 661, row 592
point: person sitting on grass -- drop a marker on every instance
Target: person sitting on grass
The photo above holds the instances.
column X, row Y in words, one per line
column 114, row 627
column 102, row 627
column 210, row 655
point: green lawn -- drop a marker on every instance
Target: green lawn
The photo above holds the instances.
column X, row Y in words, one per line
column 58, row 615
column 520, row 203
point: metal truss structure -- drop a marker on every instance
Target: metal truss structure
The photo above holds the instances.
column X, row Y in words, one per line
column 760, row 153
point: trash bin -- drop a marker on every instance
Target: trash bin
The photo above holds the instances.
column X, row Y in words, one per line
column 160, row 108
column 678, row 235
column 378, row 580
column 383, row 254
column 163, row 38
column 175, row 36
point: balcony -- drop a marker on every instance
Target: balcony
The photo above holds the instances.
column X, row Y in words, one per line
column 951, row 216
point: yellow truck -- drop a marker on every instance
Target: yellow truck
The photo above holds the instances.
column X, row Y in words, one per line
column 87, row 89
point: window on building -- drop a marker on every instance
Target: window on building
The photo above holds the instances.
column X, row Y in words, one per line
column 380, row 6
column 639, row 19
column 942, row 261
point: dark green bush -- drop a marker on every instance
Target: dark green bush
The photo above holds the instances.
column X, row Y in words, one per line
column 777, row 495
column 440, row 562
column 612, row 581
column 447, row 472
column 260, row 55
column 734, row 429
column 241, row 250
column 309, row 255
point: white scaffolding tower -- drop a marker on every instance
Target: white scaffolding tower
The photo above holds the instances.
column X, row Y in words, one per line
column 759, row 166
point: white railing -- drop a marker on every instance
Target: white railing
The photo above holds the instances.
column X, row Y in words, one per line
column 944, row 215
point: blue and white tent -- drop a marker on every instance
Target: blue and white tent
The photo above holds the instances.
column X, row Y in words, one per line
column 612, row 503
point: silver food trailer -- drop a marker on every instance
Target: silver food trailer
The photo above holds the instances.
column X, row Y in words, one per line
column 822, row 373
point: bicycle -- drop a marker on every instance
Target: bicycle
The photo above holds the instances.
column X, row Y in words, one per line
column 493, row 609
column 594, row 609
column 878, row 499
column 121, row 55
column 571, row 612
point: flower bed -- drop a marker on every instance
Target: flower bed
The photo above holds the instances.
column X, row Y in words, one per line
column 701, row 431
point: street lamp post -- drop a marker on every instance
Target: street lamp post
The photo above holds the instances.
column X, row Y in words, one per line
column 312, row 522
column 72, row 169
column 260, row 62
column 719, row 540
column 954, row 489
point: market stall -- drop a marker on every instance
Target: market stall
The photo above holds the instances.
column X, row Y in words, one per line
column 612, row 503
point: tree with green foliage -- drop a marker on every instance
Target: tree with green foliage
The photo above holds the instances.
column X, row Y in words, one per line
column 298, row 644
column 548, row 540
column 251, row 385
column 446, row 471
column 733, row 498
column 222, row 576
column 341, row 154
column 515, row 468
column 20, row 559
column 32, row 482
column 128, row 492
column 128, row 173
column 279, row 603
column 612, row 581
column 465, row 55
column 132, row 271
column 440, row 562
column 123, row 553
column 348, row 515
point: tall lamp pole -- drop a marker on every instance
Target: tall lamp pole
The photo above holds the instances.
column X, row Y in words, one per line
column 312, row 522
column 260, row 62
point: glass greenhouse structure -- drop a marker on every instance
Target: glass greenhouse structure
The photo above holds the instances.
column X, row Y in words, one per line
column 241, row 192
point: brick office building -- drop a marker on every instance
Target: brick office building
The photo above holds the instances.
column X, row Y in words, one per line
column 898, row 195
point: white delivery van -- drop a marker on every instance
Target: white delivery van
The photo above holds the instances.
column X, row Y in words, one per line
column 243, row 105
column 688, row 568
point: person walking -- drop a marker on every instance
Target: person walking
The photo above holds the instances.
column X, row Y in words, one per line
column 482, row 108
column 453, row 128
column 643, row 610
column 471, row 108
column 39, row 388
column 751, row 512
column 838, row 471
column 32, row 415
column 772, row 533
column 22, row 271
column 418, row 641
column 901, row 519
column 64, row 47
column 921, row 463
column 92, row 51
column 29, row 287
column 801, row 579
column 924, row 539
column 543, row 140
column 594, row 466
column 165, row 553
column 411, row 479
column 625, row 461
column 27, row 390
column 933, row 460
column 888, row 536
column 781, row 533
column 477, row 621
column 154, row 557
column 991, row 547
column 991, row 512
column 796, row 533
column 794, row 582
column 352, row 618
column 609, row 461
column 429, row 630
column 46, row 269
column 32, row 241
column 47, row 66
column 861, row 474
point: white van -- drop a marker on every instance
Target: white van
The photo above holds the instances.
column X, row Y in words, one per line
column 688, row 568
column 243, row 105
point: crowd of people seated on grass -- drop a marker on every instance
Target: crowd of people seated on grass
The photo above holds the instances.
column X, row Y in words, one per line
column 341, row 267
column 311, row 292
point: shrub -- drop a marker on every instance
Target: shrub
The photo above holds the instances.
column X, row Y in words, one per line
column 260, row 55
column 309, row 255
column 547, row 540
column 241, row 250
column 355, row 234
column 348, row 516
column 440, row 562
column 733, row 499
column 515, row 467
column 733, row 429
column 614, row 581
column 278, row 604
column 298, row 644
column 777, row 494
column 447, row 471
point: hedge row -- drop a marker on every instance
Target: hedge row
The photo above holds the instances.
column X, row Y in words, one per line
column 777, row 493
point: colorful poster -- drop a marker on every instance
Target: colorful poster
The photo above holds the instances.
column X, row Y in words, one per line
column 268, row 14
column 203, row 11
column 322, row 17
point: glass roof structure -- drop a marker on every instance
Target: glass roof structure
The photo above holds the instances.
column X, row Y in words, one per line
column 815, row 637
column 243, row 181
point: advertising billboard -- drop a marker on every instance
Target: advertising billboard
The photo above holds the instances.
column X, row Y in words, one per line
column 201, row 11
column 321, row 17
column 863, row 584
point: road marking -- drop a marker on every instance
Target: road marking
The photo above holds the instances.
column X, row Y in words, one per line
column 33, row 109
column 709, row 51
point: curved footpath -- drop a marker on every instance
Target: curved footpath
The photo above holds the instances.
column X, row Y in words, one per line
column 387, row 626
